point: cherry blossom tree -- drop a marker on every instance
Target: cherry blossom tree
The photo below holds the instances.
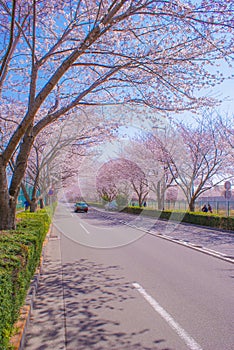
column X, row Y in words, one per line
column 194, row 158
column 58, row 56
column 172, row 194
column 199, row 161
column 56, row 153
column 43, row 174
column 145, row 151
column 119, row 173
column 226, row 131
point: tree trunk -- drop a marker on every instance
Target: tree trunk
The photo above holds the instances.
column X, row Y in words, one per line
column 8, row 197
column 140, row 200
column 42, row 204
column 160, row 196
column 7, row 214
column 7, row 203
column 192, row 205
column 33, row 205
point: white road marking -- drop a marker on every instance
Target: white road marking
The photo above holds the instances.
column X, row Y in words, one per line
column 191, row 343
column 84, row 228
column 68, row 208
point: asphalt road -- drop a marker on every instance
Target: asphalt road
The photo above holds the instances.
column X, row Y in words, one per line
column 123, row 288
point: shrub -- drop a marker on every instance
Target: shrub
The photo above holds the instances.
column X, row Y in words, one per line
column 204, row 219
column 20, row 253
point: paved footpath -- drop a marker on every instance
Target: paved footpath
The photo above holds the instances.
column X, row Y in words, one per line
column 46, row 326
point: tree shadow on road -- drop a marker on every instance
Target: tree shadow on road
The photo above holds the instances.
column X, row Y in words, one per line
column 88, row 306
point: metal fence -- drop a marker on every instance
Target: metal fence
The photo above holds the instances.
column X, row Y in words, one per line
column 220, row 207
column 225, row 207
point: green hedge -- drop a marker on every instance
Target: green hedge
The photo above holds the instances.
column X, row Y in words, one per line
column 197, row 218
column 20, row 253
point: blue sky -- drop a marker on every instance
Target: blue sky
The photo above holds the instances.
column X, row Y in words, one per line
column 224, row 92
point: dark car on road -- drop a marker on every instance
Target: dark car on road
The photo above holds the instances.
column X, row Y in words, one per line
column 81, row 207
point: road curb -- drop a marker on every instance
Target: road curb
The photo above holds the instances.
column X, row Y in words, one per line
column 193, row 246
column 17, row 341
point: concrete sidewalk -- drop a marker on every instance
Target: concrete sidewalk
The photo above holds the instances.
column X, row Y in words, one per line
column 46, row 329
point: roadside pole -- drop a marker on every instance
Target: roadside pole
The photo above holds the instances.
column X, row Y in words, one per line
column 227, row 195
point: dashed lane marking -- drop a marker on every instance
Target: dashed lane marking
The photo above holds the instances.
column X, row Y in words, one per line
column 84, row 228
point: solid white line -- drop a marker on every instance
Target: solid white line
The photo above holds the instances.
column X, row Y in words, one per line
column 191, row 343
column 84, row 228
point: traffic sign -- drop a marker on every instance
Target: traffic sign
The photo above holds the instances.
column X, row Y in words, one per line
column 227, row 185
column 51, row 192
